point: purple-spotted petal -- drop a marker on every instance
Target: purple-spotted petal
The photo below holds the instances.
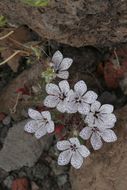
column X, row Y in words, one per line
column 85, row 133
column 31, row 126
column 66, row 63
column 106, row 108
column 89, row 119
column 52, row 89
column 75, row 141
column 50, row 127
column 95, row 106
column 64, row 86
column 108, row 135
column 34, row 114
column 90, row 97
column 51, row 101
column 83, row 150
column 63, row 74
column 61, row 106
column 109, row 119
column 80, row 87
column 76, row 160
column 96, row 141
column 64, row 158
column 57, row 57
column 63, row 145
column 84, row 108
column 40, row 132
column 71, row 107
column 46, row 115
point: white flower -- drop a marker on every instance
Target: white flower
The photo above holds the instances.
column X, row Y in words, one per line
column 80, row 98
column 61, row 65
column 40, row 123
column 73, row 152
column 57, row 95
column 100, row 115
column 97, row 133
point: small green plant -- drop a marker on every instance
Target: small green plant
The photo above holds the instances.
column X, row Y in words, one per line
column 36, row 3
column 48, row 75
column 3, row 21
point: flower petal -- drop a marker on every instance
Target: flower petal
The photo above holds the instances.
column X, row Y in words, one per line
column 63, row 74
column 96, row 141
column 64, row 158
column 31, row 126
column 89, row 119
column 85, row 133
column 95, row 106
column 51, row 101
column 61, row 106
column 71, row 96
column 109, row 119
column 76, row 160
column 50, row 127
column 80, row 87
column 106, row 108
column 71, row 107
column 83, row 150
column 84, row 108
column 52, row 89
column 64, row 86
column 40, row 132
column 75, row 141
column 90, row 97
column 46, row 115
column 108, row 135
column 66, row 63
column 63, row 145
column 34, row 114
column 57, row 57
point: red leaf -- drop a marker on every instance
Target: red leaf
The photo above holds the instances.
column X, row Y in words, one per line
column 112, row 75
column 2, row 116
column 21, row 184
column 59, row 128
column 23, row 91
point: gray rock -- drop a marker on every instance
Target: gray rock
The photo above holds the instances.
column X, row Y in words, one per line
column 8, row 181
column 61, row 180
column 74, row 22
column 21, row 149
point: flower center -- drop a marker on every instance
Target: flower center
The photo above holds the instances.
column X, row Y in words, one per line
column 77, row 100
column 95, row 129
column 73, row 147
column 62, row 96
column 96, row 114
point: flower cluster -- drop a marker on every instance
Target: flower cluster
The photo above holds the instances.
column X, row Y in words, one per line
column 98, row 119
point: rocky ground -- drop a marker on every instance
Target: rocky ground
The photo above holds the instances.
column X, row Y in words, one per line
column 21, row 155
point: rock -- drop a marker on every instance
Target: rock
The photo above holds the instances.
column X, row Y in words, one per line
column 123, row 84
column 34, row 186
column 8, row 181
column 3, row 175
column 106, row 168
column 8, row 95
column 107, row 98
column 61, row 180
column 21, row 149
column 76, row 23
column 40, row 171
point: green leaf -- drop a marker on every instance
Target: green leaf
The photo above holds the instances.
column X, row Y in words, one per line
column 36, row 3
column 3, row 21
